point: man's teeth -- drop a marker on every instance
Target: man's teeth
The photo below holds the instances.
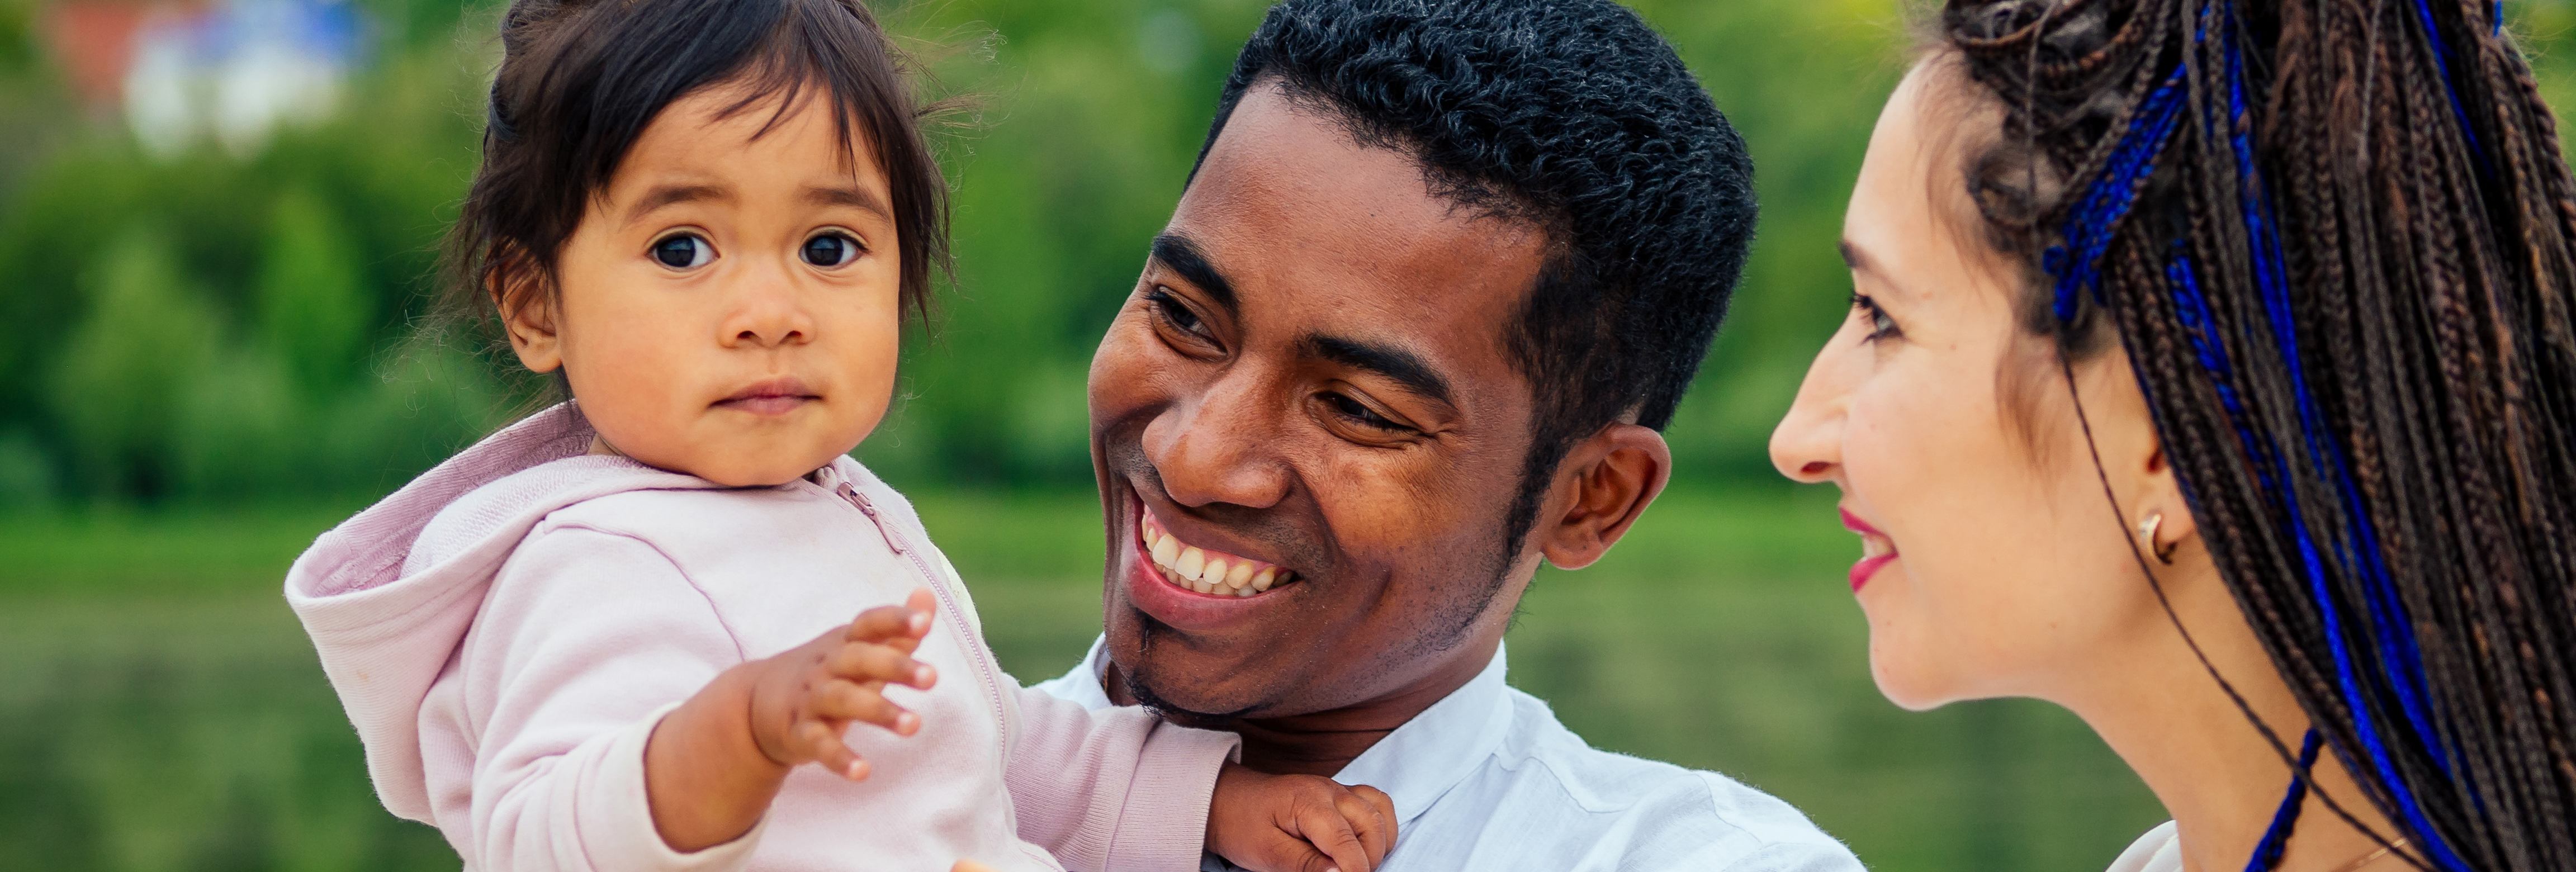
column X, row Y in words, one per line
column 1215, row 573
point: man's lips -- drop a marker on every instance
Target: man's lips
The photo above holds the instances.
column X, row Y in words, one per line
column 1200, row 569
column 1871, row 541
column 773, row 396
column 1157, row 590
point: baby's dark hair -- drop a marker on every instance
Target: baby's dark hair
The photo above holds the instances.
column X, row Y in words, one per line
column 580, row 80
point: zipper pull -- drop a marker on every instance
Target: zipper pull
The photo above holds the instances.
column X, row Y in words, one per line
column 869, row 509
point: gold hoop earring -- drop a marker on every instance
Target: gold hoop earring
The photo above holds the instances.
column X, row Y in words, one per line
column 2147, row 529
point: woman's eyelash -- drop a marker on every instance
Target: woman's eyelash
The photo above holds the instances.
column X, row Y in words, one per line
column 1880, row 325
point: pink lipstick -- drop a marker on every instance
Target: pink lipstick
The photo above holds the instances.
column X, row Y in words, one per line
column 1869, row 564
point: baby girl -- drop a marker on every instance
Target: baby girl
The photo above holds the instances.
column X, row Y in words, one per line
column 613, row 635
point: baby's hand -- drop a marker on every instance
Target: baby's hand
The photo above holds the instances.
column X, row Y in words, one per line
column 803, row 700
column 1298, row 823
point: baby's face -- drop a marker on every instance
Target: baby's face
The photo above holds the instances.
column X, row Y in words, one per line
column 729, row 307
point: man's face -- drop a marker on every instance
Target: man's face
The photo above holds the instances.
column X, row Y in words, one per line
column 1310, row 380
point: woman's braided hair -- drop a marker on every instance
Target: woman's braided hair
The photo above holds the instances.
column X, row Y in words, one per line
column 2338, row 240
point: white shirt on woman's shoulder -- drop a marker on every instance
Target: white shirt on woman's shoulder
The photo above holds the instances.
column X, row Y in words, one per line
column 1487, row 778
column 2160, row 850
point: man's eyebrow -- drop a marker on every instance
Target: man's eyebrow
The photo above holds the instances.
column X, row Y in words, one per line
column 667, row 195
column 855, row 198
column 1417, row 377
column 1178, row 254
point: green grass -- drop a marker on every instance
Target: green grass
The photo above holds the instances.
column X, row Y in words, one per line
column 161, row 710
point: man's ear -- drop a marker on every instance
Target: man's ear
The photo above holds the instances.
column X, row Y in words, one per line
column 527, row 312
column 1603, row 485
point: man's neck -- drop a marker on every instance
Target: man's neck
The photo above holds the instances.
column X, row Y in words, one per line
column 1323, row 743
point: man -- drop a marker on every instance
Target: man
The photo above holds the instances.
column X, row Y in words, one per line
column 1442, row 271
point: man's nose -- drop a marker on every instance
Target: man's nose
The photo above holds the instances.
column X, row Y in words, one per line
column 1222, row 446
column 768, row 310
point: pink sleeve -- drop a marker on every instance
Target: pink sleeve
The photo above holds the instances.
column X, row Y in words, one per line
column 585, row 641
column 1112, row 789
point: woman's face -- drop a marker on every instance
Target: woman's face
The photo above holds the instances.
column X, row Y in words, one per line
column 1993, row 564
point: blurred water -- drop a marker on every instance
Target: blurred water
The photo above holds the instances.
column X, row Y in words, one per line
column 161, row 710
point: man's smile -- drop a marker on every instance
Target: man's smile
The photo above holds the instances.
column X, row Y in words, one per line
column 1204, row 570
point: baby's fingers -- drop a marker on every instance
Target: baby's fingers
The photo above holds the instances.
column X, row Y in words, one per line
column 895, row 624
column 822, row 742
column 888, row 623
column 1323, row 825
column 861, row 661
column 847, row 701
column 1372, row 814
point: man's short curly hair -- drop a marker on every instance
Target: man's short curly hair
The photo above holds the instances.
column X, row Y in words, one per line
column 1569, row 114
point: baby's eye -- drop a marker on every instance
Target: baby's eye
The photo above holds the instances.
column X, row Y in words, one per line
column 831, row 250
column 683, row 251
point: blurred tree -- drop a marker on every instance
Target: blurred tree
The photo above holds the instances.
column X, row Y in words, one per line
column 312, row 306
column 324, row 247
column 126, row 363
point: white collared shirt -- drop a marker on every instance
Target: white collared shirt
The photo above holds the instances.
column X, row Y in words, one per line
column 1487, row 779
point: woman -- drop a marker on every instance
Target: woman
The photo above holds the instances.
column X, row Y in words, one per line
column 2210, row 372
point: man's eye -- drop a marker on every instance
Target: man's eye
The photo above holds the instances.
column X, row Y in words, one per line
column 1359, row 413
column 683, row 251
column 831, row 250
column 1172, row 310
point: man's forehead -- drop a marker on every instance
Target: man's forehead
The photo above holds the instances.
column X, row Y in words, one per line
column 1307, row 224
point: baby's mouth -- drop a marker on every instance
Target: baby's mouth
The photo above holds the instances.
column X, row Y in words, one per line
column 1207, row 571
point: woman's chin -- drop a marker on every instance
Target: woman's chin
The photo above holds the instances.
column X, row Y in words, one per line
column 1905, row 682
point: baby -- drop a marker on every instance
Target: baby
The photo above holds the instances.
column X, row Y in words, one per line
column 610, row 636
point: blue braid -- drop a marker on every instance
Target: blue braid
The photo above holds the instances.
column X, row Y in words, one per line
column 2276, row 838
column 2400, row 664
column 2442, row 64
column 2090, row 226
column 2093, row 219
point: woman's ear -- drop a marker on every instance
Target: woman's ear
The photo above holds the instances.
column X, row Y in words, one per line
column 2161, row 493
column 1613, row 476
column 527, row 312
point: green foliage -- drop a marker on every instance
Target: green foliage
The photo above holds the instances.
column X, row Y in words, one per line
column 127, row 363
column 1083, row 121
column 17, row 36
column 312, row 308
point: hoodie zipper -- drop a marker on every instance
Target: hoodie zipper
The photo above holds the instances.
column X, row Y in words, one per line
column 983, row 658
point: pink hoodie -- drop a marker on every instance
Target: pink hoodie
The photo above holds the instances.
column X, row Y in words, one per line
column 506, row 630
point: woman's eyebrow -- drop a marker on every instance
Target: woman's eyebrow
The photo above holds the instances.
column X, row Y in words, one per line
column 1862, row 265
column 1854, row 258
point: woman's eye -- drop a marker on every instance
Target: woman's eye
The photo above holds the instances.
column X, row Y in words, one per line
column 831, row 250
column 685, row 251
column 1880, row 325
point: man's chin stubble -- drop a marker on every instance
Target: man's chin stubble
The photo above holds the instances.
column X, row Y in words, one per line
column 1137, row 689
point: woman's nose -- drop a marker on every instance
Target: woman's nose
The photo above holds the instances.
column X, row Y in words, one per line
column 1807, row 445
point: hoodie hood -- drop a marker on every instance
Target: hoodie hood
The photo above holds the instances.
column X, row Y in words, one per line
column 387, row 595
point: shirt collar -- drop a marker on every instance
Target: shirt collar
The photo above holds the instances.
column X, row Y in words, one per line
column 1417, row 763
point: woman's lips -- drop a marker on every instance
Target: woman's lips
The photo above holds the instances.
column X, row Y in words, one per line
column 776, row 396
column 1869, row 563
